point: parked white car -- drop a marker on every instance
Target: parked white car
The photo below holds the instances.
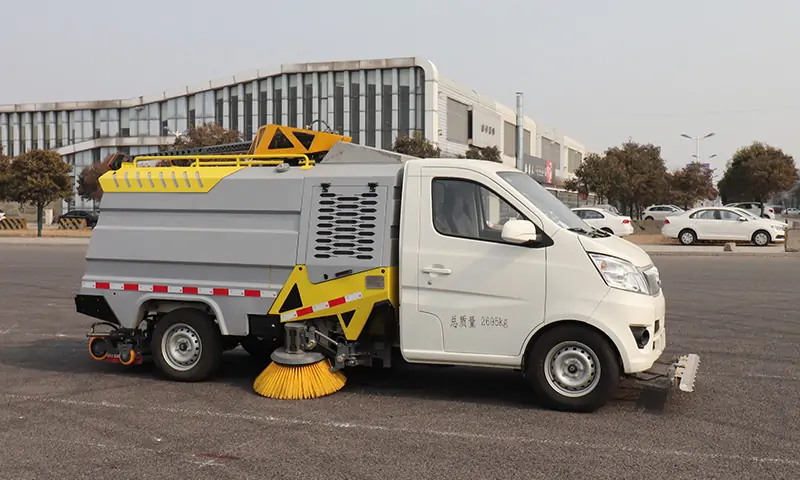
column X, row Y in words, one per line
column 791, row 211
column 660, row 212
column 754, row 208
column 751, row 215
column 602, row 219
column 2, row 214
column 722, row 224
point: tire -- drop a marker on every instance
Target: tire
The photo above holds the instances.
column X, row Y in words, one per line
column 573, row 346
column 649, row 218
column 687, row 237
column 607, row 230
column 761, row 238
column 187, row 346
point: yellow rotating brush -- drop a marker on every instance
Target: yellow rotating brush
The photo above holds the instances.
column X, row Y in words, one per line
column 295, row 374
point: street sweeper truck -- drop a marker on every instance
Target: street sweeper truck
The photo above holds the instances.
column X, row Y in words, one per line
column 361, row 255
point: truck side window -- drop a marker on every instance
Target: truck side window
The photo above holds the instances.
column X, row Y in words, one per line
column 466, row 209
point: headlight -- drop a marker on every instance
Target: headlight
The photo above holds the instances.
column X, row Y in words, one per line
column 778, row 227
column 621, row 274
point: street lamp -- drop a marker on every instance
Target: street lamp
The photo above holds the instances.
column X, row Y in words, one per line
column 697, row 144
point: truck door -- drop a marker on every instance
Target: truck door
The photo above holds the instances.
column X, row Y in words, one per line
column 483, row 295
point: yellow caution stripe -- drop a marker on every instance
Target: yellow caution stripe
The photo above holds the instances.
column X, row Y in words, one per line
column 350, row 298
column 13, row 224
column 72, row 224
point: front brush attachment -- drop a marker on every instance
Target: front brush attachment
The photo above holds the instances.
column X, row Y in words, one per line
column 296, row 374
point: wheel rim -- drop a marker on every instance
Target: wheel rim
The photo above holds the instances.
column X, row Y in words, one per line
column 761, row 238
column 181, row 347
column 572, row 369
column 687, row 237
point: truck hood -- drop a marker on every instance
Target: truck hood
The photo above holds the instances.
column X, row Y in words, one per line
column 616, row 247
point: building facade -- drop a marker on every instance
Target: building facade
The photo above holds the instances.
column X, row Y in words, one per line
column 373, row 101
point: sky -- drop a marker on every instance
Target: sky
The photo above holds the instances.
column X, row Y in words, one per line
column 601, row 72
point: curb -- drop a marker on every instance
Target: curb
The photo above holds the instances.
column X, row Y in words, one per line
column 44, row 241
column 726, row 254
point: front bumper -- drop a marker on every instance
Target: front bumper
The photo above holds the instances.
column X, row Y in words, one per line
column 621, row 313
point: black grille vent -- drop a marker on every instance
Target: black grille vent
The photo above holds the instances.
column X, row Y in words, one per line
column 346, row 225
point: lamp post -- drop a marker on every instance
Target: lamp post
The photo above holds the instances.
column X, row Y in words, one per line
column 697, row 144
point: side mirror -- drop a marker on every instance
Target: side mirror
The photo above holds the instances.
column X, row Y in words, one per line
column 520, row 231
column 742, row 219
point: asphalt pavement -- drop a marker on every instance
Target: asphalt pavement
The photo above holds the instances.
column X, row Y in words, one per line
column 63, row 415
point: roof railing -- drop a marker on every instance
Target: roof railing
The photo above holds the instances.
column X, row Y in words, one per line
column 201, row 161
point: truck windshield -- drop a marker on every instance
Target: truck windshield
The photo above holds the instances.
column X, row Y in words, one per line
column 545, row 201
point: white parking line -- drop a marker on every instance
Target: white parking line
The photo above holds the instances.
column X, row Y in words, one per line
column 425, row 432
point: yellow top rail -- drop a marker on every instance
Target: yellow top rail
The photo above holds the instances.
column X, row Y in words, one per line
column 246, row 160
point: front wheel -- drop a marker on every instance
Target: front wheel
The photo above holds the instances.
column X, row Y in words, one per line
column 761, row 238
column 687, row 237
column 573, row 368
column 187, row 345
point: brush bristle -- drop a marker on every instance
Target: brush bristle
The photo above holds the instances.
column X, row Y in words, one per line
column 298, row 383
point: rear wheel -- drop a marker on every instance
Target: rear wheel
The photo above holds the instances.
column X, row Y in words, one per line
column 649, row 218
column 761, row 238
column 187, row 345
column 607, row 230
column 687, row 237
column 573, row 368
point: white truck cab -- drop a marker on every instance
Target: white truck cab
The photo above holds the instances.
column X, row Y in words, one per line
column 495, row 270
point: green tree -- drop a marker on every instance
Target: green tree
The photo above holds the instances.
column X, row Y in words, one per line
column 689, row 184
column 595, row 174
column 416, row 146
column 38, row 178
column 756, row 172
column 88, row 182
column 5, row 166
column 642, row 176
column 206, row 135
column 490, row 154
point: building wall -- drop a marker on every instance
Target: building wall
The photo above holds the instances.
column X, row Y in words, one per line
column 468, row 118
column 573, row 155
column 372, row 101
column 373, row 105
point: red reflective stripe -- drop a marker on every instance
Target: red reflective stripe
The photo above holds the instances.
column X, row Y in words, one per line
column 305, row 311
column 336, row 302
column 215, row 291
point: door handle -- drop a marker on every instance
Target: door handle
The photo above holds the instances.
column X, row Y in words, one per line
column 439, row 270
